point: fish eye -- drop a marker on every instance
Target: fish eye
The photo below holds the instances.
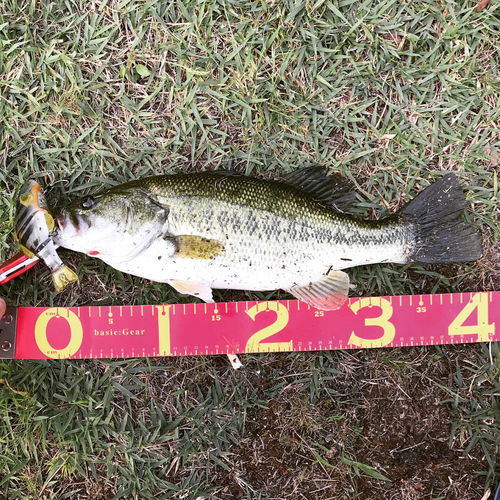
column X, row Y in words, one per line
column 88, row 202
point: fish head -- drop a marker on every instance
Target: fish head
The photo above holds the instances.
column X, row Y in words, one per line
column 114, row 226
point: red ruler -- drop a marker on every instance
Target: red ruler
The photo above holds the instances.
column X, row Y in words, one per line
column 239, row 327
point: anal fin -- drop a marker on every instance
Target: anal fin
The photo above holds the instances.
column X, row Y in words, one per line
column 200, row 290
column 327, row 294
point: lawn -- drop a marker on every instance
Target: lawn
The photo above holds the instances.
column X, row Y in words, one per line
column 391, row 94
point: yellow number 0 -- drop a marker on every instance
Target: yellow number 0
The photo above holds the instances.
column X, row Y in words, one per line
column 76, row 332
column 280, row 323
column 382, row 321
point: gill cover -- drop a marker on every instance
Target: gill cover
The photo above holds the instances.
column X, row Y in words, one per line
column 116, row 226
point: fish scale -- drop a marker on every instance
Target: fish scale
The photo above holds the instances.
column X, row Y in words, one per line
column 310, row 229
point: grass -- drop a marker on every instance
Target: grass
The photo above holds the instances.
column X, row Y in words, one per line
column 391, row 94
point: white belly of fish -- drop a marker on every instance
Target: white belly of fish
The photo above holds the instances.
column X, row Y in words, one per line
column 156, row 264
column 243, row 272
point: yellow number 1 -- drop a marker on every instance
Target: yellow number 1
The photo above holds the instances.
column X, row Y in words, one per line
column 164, row 330
column 483, row 329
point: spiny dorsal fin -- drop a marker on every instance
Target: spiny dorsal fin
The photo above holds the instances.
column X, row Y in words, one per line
column 332, row 190
column 327, row 294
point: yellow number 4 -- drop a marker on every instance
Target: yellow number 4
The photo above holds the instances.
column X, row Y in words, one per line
column 483, row 329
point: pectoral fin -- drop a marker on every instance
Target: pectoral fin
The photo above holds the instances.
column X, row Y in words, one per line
column 328, row 294
column 195, row 247
column 200, row 290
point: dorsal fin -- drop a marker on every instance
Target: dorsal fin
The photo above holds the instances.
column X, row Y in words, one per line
column 332, row 190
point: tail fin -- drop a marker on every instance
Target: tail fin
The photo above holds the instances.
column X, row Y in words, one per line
column 62, row 277
column 441, row 235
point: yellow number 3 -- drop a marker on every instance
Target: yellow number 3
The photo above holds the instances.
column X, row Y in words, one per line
column 382, row 321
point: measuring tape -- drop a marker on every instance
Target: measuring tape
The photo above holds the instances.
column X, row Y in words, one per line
column 247, row 327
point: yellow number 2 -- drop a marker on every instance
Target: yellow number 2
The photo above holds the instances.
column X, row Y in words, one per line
column 483, row 329
column 254, row 342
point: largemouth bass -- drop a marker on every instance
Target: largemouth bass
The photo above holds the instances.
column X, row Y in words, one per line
column 33, row 227
column 210, row 230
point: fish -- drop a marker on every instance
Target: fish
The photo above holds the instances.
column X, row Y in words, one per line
column 33, row 227
column 224, row 230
